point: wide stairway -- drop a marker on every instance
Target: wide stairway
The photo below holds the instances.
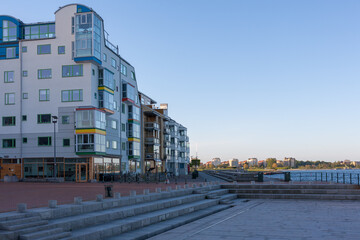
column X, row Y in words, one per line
column 296, row 191
column 130, row 217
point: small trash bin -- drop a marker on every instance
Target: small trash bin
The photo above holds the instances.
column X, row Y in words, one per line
column 260, row 176
column 287, row 177
column 108, row 190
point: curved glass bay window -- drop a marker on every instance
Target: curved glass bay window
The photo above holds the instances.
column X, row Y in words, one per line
column 90, row 119
column 39, row 31
column 134, row 150
column 9, row 31
column 88, row 35
column 106, row 79
column 133, row 130
column 106, row 100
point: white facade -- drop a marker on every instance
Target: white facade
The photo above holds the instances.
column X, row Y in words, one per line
column 252, row 162
column 216, row 161
column 234, row 162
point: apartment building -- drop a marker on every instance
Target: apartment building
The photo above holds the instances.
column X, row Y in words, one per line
column 166, row 144
column 69, row 102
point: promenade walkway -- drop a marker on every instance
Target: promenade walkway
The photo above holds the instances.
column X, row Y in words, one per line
column 38, row 194
column 275, row 219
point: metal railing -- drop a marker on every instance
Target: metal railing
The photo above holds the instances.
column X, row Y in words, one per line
column 331, row 177
column 133, row 178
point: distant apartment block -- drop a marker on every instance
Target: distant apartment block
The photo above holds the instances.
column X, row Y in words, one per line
column 234, row 162
column 66, row 85
column 252, row 162
column 289, row 162
column 216, row 161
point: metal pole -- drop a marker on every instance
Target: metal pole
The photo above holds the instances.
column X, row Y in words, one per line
column 337, row 177
column 321, row 176
column 332, row 177
column 343, row 177
column 55, row 150
column 326, row 177
column 300, row 177
column 358, row 180
column 350, row 179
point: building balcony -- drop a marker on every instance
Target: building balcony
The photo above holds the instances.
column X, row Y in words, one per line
column 182, row 138
column 166, row 144
column 152, row 141
column 152, row 156
column 152, row 125
column 166, row 131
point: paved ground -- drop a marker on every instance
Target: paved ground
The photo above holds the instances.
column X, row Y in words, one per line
column 276, row 219
column 38, row 194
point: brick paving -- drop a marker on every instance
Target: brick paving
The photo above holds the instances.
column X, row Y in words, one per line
column 38, row 194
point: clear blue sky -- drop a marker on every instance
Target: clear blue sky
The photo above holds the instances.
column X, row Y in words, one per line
column 248, row 78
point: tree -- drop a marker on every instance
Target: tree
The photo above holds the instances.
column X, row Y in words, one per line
column 270, row 162
column 246, row 166
column 274, row 165
column 195, row 163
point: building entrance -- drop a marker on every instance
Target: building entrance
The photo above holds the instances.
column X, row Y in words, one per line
column 81, row 172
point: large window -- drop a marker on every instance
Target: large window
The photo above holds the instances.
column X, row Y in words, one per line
column 106, row 78
column 72, row 70
column 44, row 73
column 9, row 31
column 44, row 141
column 9, row 76
column 90, row 119
column 134, row 130
column 39, row 31
column 75, row 95
column 134, row 149
column 9, row 143
column 9, row 98
column 113, row 62
column 123, row 70
column 133, row 75
column 90, row 143
column 11, row 52
column 61, row 49
column 106, row 100
column 44, row 95
column 44, row 118
column 44, row 49
column 9, row 121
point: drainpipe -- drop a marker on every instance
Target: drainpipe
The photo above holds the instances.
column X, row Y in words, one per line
column 21, row 109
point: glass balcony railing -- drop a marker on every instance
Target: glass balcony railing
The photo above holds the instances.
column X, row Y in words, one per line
column 152, row 125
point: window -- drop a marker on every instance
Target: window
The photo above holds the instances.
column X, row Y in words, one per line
column 9, row 143
column 72, row 49
column 123, row 70
column 123, row 108
column 123, row 127
column 39, row 31
column 11, row 52
column 104, row 57
column 9, row 98
column 114, row 144
column 113, row 62
column 123, row 146
column 44, row 73
column 44, row 95
column 44, row 141
column 65, row 119
column 25, row 73
column 72, row 25
column 93, row 72
column 25, row 95
column 72, row 95
column 61, row 49
column 44, row 49
column 113, row 124
column 9, row 76
column 24, row 140
column 44, row 118
column 66, row 142
column 133, row 75
column 24, row 49
column 8, row 121
column 9, row 31
column 72, row 70
column 107, row 144
column 24, row 117
column 95, row 95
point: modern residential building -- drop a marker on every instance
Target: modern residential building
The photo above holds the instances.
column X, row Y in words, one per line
column 234, row 162
column 70, row 102
column 252, row 162
column 216, row 161
column 166, row 144
column 289, row 162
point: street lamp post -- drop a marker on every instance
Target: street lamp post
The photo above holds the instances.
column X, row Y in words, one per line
column 54, row 120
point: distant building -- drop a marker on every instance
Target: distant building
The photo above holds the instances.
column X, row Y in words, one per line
column 346, row 162
column 289, row 162
column 355, row 163
column 216, row 161
column 262, row 163
column 252, row 162
column 234, row 162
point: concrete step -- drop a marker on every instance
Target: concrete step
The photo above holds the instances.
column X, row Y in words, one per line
column 57, row 236
column 26, row 225
column 96, row 218
column 290, row 186
column 299, row 196
column 299, row 191
column 41, row 234
column 5, row 224
column 161, row 227
column 217, row 193
column 131, row 223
